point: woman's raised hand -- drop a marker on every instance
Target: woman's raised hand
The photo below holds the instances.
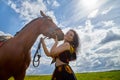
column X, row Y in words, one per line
column 56, row 39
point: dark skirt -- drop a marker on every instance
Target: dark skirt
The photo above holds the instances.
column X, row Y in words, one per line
column 63, row 72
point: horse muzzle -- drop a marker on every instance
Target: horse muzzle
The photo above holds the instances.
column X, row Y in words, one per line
column 60, row 36
column 56, row 31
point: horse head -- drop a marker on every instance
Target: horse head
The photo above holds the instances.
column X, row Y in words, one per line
column 50, row 28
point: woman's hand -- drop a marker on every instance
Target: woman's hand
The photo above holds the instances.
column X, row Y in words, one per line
column 42, row 40
column 56, row 39
column 45, row 47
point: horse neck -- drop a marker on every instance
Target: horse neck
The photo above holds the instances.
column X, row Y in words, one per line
column 29, row 34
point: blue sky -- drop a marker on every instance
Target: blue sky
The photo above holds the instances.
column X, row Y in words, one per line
column 96, row 21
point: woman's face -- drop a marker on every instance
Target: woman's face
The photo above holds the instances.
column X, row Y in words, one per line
column 69, row 36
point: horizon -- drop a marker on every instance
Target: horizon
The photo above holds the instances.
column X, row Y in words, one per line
column 96, row 22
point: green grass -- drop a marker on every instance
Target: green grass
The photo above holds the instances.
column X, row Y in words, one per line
column 110, row 75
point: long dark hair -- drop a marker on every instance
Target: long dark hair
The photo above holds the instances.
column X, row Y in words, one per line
column 75, row 44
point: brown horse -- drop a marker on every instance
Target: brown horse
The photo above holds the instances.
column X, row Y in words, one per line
column 15, row 53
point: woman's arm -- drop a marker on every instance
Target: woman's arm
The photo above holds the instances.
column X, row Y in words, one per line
column 45, row 48
column 49, row 53
column 59, row 49
column 55, row 50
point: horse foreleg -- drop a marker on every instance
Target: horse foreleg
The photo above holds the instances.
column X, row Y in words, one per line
column 20, row 76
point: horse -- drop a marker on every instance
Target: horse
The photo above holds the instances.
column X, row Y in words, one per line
column 15, row 53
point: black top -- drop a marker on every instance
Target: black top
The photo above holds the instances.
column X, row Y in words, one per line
column 67, row 55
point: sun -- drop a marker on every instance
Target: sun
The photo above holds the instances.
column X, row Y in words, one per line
column 89, row 4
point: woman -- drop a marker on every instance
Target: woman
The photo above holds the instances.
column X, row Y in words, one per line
column 62, row 54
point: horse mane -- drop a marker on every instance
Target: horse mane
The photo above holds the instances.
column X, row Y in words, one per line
column 26, row 26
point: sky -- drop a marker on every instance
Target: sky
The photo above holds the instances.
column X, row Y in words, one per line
column 97, row 23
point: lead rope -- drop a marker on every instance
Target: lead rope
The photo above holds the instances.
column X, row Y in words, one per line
column 37, row 56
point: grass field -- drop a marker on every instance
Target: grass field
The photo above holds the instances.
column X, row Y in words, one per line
column 110, row 75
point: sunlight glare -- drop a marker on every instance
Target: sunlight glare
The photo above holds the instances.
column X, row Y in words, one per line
column 89, row 4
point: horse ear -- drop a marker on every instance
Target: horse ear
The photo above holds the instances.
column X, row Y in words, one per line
column 42, row 14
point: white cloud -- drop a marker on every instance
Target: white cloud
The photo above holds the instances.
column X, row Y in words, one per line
column 115, row 29
column 96, row 63
column 13, row 5
column 55, row 4
column 93, row 14
column 88, row 57
column 106, row 10
column 90, row 39
column 108, row 23
column 88, row 26
column 5, row 34
column 29, row 10
column 88, row 53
